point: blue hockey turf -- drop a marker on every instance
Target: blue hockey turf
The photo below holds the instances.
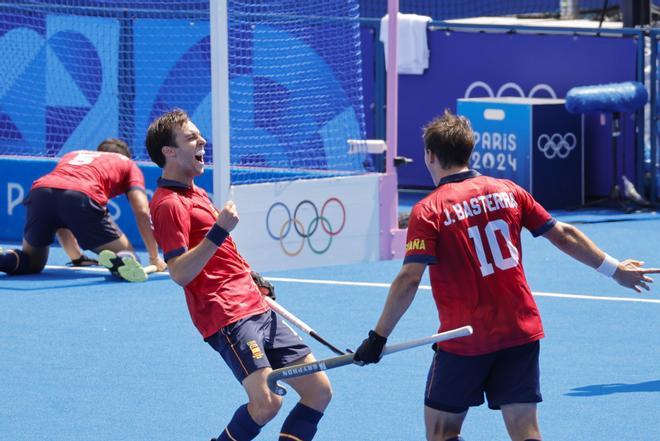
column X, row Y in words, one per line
column 85, row 357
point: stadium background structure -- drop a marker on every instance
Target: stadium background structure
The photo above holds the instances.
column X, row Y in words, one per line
column 64, row 106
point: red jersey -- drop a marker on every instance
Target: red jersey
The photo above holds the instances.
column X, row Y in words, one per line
column 223, row 292
column 468, row 231
column 100, row 175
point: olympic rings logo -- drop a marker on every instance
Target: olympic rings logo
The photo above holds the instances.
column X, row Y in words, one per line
column 518, row 91
column 306, row 223
column 556, row 145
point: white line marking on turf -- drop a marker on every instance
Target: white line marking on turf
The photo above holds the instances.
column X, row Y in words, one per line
column 428, row 287
column 331, row 282
column 386, row 285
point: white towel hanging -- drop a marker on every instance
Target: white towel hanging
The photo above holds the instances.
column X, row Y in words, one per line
column 412, row 47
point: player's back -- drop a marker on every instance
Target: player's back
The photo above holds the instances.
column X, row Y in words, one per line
column 100, row 175
column 478, row 277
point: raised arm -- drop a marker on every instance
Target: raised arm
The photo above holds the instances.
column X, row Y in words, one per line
column 140, row 206
column 575, row 243
column 185, row 267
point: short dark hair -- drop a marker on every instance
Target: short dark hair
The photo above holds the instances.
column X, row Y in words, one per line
column 115, row 145
column 450, row 138
column 161, row 133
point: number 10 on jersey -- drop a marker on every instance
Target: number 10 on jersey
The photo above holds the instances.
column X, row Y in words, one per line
column 491, row 230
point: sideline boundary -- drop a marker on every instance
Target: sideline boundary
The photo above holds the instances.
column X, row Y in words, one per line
column 386, row 285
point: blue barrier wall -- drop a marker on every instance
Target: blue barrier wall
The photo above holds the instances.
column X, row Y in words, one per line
column 18, row 173
column 469, row 64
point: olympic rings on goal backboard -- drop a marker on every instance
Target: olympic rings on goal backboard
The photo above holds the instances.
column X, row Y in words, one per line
column 306, row 223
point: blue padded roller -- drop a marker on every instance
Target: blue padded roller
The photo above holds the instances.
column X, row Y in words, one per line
column 615, row 97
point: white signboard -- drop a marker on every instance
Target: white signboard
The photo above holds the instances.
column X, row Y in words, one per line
column 308, row 223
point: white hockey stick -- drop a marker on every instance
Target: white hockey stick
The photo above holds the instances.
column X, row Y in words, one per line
column 299, row 370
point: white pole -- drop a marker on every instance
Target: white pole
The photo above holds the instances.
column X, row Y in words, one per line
column 220, row 100
column 389, row 197
column 392, row 96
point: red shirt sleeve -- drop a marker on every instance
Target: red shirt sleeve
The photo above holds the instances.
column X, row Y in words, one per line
column 135, row 177
column 171, row 220
column 422, row 236
column 534, row 217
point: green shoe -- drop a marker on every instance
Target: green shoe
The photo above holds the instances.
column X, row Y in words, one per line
column 131, row 270
column 110, row 260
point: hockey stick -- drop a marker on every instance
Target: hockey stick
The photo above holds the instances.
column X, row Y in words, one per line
column 301, row 325
column 150, row 269
column 299, row 370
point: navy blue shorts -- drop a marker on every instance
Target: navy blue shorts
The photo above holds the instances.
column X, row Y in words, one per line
column 457, row 382
column 256, row 342
column 49, row 209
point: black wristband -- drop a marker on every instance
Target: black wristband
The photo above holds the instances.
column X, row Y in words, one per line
column 217, row 234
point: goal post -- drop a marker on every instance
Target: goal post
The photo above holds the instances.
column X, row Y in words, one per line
column 287, row 109
column 220, row 99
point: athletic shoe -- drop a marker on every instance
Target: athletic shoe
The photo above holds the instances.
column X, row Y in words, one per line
column 83, row 261
column 131, row 270
column 110, row 260
column 123, row 265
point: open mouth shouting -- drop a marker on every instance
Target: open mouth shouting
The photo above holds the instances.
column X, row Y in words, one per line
column 199, row 157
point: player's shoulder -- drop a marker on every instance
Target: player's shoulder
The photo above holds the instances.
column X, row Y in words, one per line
column 499, row 183
column 200, row 190
column 428, row 205
column 167, row 204
column 166, row 197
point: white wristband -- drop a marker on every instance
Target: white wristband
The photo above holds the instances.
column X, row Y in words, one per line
column 609, row 266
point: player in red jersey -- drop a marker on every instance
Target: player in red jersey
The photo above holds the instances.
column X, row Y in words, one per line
column 224, row 303
column 72, row 199
column 468, row 232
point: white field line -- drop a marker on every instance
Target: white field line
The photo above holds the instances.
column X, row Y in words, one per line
column 428, row 287
column 387, row 285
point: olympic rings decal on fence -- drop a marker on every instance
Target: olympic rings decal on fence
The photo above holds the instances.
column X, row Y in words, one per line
column 556, row 145
column 306, row 228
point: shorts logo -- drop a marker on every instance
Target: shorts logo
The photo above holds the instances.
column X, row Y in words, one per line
column 416, row 244
column 256, row 350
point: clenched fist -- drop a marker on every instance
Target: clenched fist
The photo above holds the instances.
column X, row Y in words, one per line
column 228, row 217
